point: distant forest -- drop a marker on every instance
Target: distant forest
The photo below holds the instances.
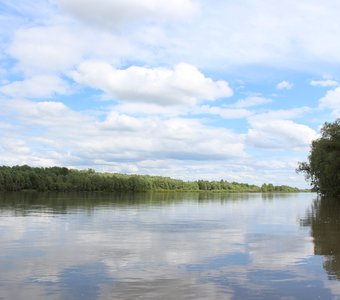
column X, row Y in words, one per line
column 21, row 178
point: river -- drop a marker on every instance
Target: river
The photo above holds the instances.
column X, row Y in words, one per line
column 169, row 246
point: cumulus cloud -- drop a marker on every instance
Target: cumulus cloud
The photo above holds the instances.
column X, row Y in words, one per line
column 279, row 134
column 112, row 14
column 59, row 49
column 324, row 83
column 121, row 122
column 52, row 114
column 275, row 34
column 146, row 122
column 120, row 137
column 184, row 84
column 331, row 101
column 64, row 45
column 146, row 144
column 284, row 85
column 43, row 86
column 267, row 38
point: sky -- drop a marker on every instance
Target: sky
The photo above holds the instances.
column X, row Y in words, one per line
column 191, row 89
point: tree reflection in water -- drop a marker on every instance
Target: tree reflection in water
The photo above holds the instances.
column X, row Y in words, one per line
column 324, row 220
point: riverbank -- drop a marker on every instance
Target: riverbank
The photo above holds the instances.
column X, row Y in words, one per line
column 23, row 178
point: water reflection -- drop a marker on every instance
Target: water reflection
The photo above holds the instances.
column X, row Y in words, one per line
column 159, row 245
column 324, row 221
column 25, row 203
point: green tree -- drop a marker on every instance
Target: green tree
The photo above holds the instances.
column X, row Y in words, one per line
column 323, row 166
column 19, row 178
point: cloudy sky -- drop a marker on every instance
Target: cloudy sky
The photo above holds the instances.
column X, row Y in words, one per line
column 183, row 88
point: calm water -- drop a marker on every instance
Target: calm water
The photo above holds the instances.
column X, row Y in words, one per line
column 169, row 246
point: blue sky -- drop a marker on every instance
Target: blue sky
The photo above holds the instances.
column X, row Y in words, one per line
column 232, row 90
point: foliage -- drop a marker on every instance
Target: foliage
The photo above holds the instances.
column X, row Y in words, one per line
column 323, row 166
column 19, row 178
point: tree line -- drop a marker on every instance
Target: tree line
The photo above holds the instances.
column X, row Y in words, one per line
column 21, row 178
column 323, row 166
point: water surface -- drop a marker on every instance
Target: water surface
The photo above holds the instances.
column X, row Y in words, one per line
column 169, row 246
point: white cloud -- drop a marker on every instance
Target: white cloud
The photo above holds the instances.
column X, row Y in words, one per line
column 279, row 134
column 184, row 84
column 274, row 35
column 284, row 85
column 133, row 108
column 324, row 83
column 121, row 122
column 172, row 146
column 147, row 124
column 281, row 114
column 112, row 14
column 252, row 101
column 284, row 35
column 51, row 114
column 46, row 49
column 120, row 137
column 43, row 86
column 331, row 101
column 65, row 44
column 15, row 146
column 226, row 113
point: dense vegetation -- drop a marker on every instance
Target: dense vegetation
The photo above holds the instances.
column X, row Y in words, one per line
column 19, row 178
column 323, row 166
